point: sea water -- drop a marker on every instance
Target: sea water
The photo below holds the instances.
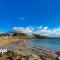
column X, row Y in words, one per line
column 53, row 44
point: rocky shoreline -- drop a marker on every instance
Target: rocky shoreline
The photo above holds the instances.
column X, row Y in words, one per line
column 22, row 51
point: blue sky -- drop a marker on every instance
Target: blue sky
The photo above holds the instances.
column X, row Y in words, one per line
column 29, row 13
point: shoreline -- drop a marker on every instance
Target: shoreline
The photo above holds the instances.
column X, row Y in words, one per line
column 22, row 49
column 34, row 50
column 42, row 50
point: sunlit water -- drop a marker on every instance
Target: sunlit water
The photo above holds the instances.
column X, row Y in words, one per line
column 53, row 44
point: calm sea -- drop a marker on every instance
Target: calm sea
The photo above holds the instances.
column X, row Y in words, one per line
column 53, row 44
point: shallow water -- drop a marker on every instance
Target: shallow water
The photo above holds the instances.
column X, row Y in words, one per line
column 53, row 44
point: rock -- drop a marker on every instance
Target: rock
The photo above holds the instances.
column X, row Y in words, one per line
column 34, row 57
column 59, row 58
column 58, row 53
column 24, row 58
column 9, row 58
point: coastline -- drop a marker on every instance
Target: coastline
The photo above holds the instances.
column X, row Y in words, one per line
column 24, row 51
column 27, row 50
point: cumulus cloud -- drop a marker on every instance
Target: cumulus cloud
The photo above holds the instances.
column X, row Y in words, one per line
column 49, row 32
column 22, row 29
column 55, row 32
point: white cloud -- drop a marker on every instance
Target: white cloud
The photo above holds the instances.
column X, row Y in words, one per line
column 22, row 29
column 40, row 27
column 45, row 28
column 55, row 32
column 49, row 32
